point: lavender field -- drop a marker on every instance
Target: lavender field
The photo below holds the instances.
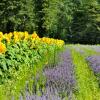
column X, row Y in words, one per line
column 76, row 75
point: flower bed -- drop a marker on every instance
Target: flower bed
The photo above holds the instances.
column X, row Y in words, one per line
column 22, row 56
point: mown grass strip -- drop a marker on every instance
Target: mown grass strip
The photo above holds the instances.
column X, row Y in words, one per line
column 86, row 81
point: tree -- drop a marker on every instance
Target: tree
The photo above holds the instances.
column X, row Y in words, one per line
column 58, row 16
column 85, row 27
column 17, row 15
column 39, row 14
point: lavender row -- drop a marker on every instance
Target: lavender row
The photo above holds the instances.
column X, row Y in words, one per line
column 94, row 62
column 96, row 48
column 61, row 77
column 60, row 80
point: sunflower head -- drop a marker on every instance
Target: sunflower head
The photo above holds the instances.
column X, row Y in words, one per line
column 2, row 48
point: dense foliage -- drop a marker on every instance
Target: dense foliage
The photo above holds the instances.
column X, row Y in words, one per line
column 21, row 57
column 85, row 26
column 17, row 15
column 75, row 21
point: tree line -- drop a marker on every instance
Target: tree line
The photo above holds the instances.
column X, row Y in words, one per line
column 74, row 21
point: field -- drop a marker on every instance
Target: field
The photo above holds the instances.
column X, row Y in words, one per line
column 49, row 49
column 34, row 68
column 76, row 76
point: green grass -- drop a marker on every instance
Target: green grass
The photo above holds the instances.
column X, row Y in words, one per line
column 86, row 81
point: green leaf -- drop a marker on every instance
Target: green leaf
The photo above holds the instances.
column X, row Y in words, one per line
column 1, row 72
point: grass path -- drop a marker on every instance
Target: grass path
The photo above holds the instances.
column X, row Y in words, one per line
column 87, row 84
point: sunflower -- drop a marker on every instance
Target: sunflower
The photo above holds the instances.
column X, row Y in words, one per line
column 2, row 48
